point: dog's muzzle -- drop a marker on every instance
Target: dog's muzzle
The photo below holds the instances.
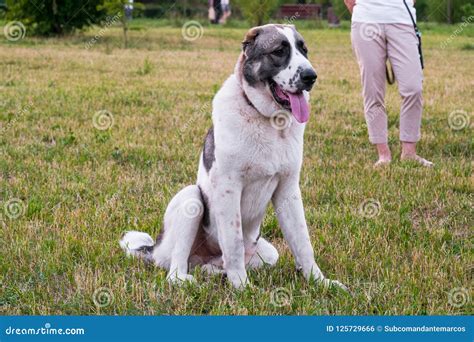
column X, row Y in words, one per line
column 307, row 79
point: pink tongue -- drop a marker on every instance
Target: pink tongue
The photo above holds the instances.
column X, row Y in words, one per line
column 299, row 107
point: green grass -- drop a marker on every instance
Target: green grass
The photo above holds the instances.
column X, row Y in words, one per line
column 80, row 188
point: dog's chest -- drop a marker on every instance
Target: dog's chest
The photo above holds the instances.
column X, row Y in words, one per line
column 268, row 153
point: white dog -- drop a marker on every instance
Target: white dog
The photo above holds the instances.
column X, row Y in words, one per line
column 252, row 155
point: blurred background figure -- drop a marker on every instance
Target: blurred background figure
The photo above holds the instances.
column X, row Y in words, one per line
column 129, row 10
column 225, row 4
column 215, row 11
column 333, row 19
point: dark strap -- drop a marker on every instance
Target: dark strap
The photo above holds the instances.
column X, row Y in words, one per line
column 418, row 34
column 389, row 69
column 411, row 15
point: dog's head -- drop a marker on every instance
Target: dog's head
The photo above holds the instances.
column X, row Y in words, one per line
column 274, row 61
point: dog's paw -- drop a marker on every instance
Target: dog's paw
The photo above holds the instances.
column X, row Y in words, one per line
column 212, row 269
column 328, row 283
column 238, row 279
column 179, row 279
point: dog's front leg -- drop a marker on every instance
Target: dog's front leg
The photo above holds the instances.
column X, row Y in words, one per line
column 226, row 202
column 288, row 205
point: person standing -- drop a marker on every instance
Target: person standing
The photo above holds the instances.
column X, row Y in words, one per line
column 225, row 11
column 129, row 10
column 381, row 30
column 216, row 8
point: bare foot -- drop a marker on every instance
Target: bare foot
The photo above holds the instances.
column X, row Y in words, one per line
column 385, row 156
column 409, row 153
column 382, row 163
column 418, row 159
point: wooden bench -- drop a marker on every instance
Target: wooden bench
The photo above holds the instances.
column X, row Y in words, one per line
column 300, row 11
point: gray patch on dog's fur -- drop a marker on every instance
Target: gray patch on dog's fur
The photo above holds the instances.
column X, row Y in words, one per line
column 146, row 249
column 208, row 155
column 299, row 42
column 258, row 51
column 206, row 220
column 159, row 238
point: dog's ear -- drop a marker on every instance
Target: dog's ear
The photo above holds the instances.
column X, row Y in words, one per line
column 249, row 39
column 244, row 67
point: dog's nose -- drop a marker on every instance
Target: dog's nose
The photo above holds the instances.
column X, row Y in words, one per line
column 308, row 77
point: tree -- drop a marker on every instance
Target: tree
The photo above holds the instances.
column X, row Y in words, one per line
column 449, row 11
column 118, row 7
column 54, row 17
column 257, row 12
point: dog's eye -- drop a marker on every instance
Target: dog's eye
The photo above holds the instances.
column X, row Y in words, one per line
column 303, row 47
column 279, row 52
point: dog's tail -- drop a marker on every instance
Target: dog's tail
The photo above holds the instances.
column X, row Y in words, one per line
column 138, row 244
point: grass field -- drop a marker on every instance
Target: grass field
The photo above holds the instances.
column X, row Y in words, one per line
column 96, row 139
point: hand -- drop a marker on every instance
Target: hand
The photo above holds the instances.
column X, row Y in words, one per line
column 350, row 4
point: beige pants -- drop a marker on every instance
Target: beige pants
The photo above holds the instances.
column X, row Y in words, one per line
column 373, row 44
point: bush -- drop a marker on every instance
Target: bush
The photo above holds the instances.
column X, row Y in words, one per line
column 54, row 17
column 437, row 10
column 175, row 9
column 467, row 11
column 257, row 12
column 3, row 8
